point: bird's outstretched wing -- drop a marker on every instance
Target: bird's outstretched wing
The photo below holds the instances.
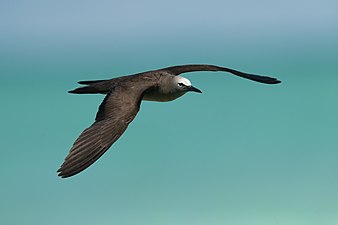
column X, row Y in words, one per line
column 176, row 70
column 115, row 113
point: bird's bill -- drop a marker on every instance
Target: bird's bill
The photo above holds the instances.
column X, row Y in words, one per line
column 191, row 88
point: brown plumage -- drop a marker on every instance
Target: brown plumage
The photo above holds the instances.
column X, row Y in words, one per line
column 122, row 102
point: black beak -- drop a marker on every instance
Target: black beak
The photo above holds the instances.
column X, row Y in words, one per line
column 191, row 88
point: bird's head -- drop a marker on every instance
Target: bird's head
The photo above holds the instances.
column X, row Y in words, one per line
column 184, row 85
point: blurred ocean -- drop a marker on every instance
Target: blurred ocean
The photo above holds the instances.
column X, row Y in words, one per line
column 240, row 153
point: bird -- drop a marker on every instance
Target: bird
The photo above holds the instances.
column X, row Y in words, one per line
column 123, row 97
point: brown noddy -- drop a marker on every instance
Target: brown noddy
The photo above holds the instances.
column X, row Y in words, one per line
column 122, row 102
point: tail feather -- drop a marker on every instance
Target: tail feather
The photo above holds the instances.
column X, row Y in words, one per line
column 86, row 90
column 89, row 81
column 93, row 87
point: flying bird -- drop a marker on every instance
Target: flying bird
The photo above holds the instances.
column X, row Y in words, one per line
column 122, row 102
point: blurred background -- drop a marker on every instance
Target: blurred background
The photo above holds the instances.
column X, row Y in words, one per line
column 240, row 153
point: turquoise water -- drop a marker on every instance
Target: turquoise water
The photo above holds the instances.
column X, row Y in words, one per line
column 240, row 153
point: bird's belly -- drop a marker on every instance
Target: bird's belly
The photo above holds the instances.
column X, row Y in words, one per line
column 157, row 97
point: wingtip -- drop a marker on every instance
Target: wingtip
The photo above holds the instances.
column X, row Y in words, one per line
column 276, row 81
column 265, row 79
column 61, row 174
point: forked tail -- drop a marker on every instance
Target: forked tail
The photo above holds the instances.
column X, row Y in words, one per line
column 93, row 87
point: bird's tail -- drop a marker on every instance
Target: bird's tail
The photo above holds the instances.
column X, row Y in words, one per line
column 93, row 87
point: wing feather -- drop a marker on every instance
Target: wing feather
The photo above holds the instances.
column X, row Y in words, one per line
column 176, row 70
column 115, row 113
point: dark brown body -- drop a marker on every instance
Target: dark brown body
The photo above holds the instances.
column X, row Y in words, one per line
column 122, row 102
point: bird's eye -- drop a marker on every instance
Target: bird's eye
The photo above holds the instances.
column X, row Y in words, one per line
column 180, row 84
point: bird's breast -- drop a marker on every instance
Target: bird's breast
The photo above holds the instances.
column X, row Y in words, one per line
column 154, row 95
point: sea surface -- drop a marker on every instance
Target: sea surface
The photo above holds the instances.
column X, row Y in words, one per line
column 240, row 153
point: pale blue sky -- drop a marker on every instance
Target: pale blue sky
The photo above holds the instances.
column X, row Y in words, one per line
column 240, row 153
